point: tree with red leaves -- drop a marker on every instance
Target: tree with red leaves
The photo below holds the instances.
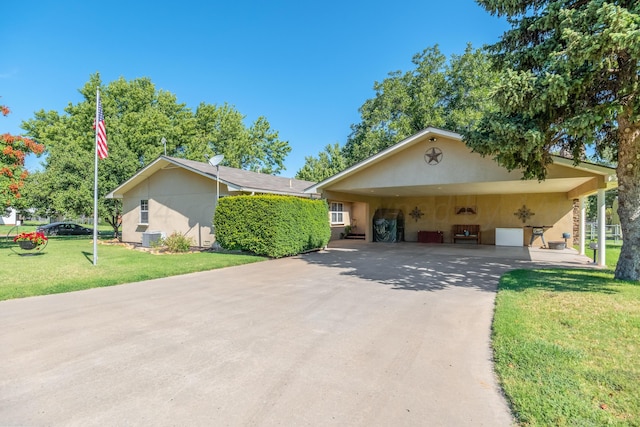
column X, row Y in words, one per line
column 13, row 150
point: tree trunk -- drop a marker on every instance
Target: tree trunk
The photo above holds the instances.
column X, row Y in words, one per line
column 115, row 221
column 116, row 225
column 628, row 171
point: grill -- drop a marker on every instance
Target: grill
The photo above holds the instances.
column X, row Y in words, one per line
column 538, row 231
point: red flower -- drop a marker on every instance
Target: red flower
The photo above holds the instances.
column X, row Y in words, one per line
column 37, row 239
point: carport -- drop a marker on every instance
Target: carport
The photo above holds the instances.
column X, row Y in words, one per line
column 439, row 184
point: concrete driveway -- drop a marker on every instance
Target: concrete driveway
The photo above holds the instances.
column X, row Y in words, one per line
column 361, row 334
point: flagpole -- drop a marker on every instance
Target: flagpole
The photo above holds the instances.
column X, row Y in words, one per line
column 95, row 186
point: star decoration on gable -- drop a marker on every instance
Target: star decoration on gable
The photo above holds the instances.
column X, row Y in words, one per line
column 416, row 213
column 433, row 156
column 524, row 213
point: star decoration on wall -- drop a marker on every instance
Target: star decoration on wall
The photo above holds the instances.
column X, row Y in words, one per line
column 524, row 213
column 416, row 213
column 433, row 156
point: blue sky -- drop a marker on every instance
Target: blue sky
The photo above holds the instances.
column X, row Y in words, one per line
column 306, row 67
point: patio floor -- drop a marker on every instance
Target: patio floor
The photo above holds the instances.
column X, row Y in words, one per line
column 521, row 255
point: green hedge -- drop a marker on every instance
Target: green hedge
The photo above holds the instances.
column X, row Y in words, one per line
column 275, row 226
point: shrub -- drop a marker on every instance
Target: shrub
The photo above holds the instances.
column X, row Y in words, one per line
column 177, row 242
column 274, row 226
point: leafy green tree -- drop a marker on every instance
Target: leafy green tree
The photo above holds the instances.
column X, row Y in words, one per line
column 447, row 94
column 269, row 151
column 65, row 186
column 468, row 94
column 570, row 80
column 221, row 130
column 328, row 163
column 137, row 117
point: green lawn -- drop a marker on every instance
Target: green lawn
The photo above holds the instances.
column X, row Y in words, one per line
column 567, row 346
column 67, row 265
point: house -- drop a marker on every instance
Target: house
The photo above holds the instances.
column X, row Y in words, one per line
column 432, row 186
column 9, row 217
column 172, row 194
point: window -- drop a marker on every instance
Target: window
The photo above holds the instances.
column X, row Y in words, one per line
column 337, row 216
column 144, row 212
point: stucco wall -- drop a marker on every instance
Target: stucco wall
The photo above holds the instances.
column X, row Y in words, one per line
column 178, row 201
column 337, row 229
column 492, row 211
column 408, row 168
column 359, row 217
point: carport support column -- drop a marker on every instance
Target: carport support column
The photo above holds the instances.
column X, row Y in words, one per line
column 583, row 224
column 601, row 257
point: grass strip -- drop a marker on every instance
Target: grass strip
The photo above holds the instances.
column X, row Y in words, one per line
column 567, row 347
column 67, row 265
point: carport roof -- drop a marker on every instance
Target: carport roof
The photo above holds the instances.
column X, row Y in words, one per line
column 564, row 177
column 236, row 180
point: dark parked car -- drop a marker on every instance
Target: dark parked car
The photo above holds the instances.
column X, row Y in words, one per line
column 63, row 229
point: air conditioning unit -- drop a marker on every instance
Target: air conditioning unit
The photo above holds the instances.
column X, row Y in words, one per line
column 150, row 237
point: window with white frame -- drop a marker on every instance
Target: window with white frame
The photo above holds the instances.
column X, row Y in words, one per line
column 337, row 213
column 144, row 212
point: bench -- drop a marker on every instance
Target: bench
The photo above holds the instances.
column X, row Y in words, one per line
column 465, row 232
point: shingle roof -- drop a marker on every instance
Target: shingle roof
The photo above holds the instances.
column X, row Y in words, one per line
column 244, row 180
column 237, row 180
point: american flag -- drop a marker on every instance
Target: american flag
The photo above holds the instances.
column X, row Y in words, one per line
column 101, row 132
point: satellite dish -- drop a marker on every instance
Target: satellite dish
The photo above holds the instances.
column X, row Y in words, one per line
column 215, row 160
